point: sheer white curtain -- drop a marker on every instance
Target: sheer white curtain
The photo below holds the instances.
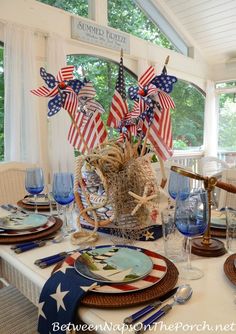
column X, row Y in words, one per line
column 21, row 128
column 210, row 121
column 61, row 153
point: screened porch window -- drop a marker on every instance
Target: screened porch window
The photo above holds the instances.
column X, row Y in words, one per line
column 227, row 122
column 128, row 17
column 1, row 103
column 188, row 116
column 78, row 7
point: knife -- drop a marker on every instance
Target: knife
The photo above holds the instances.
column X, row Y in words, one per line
column 136, row 316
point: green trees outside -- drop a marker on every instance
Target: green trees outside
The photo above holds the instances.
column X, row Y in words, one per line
column 227, row 122
column 188, row 116
column 73, row 6
column 1, row 105
column 128, row 17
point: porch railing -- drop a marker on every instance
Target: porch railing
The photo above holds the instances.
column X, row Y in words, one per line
column 188, row 159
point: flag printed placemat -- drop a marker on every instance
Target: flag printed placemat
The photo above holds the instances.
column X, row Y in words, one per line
column 65, row 289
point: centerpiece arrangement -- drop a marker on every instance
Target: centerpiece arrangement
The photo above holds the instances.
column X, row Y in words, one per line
column 114, row 181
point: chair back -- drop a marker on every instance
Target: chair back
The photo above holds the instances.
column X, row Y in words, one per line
column 209, row 166
column 12, row 181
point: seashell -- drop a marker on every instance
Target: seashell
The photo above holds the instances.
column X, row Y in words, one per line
column 92, row 189
column 102, row 210
column 109, row 213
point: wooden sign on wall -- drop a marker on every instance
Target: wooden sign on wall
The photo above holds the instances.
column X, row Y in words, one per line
column 86, row 31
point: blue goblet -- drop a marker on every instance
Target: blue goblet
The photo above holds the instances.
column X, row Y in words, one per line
column 34, row 183
column 63, row 193
column 178, row 186
column 191, row 219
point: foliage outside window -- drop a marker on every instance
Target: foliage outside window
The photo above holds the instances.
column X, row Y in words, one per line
column 1, row 104
column 188, row 116
column 128, row 17
column 227, row 122
column 229, row 84
column 77, row 7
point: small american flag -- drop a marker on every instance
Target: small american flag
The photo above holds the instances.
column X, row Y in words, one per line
column 92, row 132
column 160, row 133
column 87, row 129
column 119, row 107
column 146, row 77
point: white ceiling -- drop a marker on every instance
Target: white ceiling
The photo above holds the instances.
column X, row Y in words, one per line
column 210, row 23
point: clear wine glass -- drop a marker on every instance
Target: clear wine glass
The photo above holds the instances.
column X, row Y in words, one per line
column 178, row 186
column 34, row 183
column 63, row 193
column 191, row 218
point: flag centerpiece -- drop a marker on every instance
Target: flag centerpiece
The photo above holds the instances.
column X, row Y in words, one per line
column 115, row 179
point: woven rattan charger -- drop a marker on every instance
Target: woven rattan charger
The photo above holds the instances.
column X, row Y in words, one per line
column 107, row 300
column 218, row 233
column 32, row 207
column 229, row 268
column 34, row 236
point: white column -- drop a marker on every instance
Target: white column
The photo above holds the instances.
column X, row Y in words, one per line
column 98, row 11
column 210, row 121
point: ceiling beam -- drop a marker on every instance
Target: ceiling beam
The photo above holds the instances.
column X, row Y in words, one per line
column 158, row 19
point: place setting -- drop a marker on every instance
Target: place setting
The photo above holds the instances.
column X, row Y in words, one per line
column 17, row 224
column 18, row 227
column 107, row 276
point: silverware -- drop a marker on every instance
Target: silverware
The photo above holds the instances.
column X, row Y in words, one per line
column 53, row 259
column 136, row 316
column 183, row 294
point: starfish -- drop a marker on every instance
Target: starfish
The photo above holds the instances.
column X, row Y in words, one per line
column 142, row 200
column 148, row 235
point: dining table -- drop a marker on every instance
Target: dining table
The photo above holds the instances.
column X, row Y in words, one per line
column 212, row 307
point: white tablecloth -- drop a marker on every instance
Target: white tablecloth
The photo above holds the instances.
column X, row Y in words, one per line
column 211, row 305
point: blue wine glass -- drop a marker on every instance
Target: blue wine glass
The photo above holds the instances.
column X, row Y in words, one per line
column 178, row 186
column 191, row 219
column 63, row 193
column 34, row 183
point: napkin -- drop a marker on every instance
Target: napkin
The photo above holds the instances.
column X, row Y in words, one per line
column 61, row 296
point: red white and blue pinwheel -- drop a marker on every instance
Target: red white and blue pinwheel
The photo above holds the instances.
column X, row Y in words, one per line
column 165, row 82
column 153, row 91
column 63, row 90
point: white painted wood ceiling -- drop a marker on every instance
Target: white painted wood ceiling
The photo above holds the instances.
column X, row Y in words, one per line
column 211, row 23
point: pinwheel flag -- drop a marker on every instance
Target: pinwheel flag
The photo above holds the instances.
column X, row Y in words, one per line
column 62, row 90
